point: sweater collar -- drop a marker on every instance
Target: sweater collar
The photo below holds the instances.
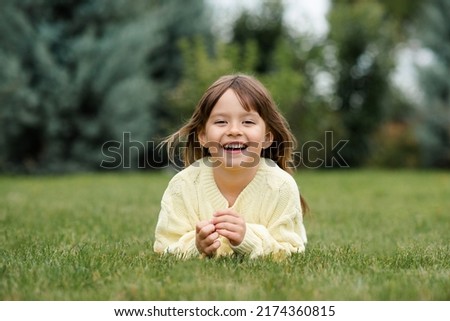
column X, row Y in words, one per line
column 213, row 193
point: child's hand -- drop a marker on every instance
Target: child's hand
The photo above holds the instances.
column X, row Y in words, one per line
column 231, row 225
column 206, row 238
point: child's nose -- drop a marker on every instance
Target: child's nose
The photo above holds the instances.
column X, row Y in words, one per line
column 234, row 129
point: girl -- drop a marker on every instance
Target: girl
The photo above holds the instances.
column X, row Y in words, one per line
column 236, row 194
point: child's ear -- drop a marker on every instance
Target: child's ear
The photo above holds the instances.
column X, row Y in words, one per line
column 268, row 140
column 202, row 138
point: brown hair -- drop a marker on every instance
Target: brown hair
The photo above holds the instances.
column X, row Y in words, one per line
column 253, row 96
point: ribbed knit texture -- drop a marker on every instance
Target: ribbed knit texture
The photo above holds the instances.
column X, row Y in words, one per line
column 269, row 204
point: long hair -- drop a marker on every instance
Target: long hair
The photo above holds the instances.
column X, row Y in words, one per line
column 253, row 96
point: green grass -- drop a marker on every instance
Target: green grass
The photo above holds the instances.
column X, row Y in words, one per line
column 373, row 235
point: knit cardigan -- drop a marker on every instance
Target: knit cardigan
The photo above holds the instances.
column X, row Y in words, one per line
column 269, row 204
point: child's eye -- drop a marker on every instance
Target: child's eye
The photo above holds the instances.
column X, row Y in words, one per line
column 220, row 122
column 249, row 122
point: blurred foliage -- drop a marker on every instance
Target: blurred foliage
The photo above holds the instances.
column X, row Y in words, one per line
column 361, row 35
column 78, row 74
column 203, row 64
column 433, row 30
column 265, row 28
column 262, row 46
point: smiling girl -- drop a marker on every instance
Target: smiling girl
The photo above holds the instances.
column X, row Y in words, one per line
column 236, row 194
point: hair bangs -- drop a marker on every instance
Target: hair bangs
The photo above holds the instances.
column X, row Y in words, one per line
column 246, row 94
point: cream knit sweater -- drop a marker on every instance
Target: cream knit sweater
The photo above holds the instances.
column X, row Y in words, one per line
column 269, row 204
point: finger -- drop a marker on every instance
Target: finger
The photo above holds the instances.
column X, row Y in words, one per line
column 206, row 230
column 212, row 248
column 223, row 219
column 226, row 211
column 211, row 238
column 235, row 238
column 203, row 243
column 200, row 225
column 237, row 229
column 226, row 226
column 226, row 233
column 206, row 242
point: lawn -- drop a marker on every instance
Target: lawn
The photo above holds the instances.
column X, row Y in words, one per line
column 373, row 235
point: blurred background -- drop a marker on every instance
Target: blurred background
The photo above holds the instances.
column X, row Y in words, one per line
column 89, row 81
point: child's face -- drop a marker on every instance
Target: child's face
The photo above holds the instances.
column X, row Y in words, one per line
column 235, row 137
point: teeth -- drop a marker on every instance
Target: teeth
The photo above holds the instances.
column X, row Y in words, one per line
column 234, row 146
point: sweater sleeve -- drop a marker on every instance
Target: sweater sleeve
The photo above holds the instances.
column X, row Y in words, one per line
column 284, row 232
column 175, row 230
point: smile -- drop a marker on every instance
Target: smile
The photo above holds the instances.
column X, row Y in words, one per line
column 234, row 147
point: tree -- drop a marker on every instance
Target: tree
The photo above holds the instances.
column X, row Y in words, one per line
column 265, row 28
column 433, row 30
column 80, row 73
column 261, row 45
column 203, row 64
column 362, row 38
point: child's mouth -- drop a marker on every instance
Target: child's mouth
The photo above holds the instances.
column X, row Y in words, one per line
column 234, row 147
